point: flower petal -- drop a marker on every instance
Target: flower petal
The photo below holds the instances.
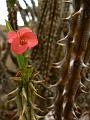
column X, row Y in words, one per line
column 32, row 40
column 11, row 36
column 23, row 31
column 17, row 48
column 29, row 36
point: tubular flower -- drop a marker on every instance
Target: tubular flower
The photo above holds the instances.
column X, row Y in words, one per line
column 21, row 40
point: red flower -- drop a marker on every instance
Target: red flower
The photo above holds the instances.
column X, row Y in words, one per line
column 44, row 40
column 22, row 39
column 46, row 33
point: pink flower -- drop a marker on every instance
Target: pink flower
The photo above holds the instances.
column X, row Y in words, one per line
column 22, row 39
column 46, row 33
column 44, row 40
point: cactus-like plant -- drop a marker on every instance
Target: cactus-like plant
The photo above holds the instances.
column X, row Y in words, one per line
column 74, row 64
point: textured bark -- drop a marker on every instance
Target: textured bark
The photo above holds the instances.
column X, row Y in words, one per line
column 49, row 32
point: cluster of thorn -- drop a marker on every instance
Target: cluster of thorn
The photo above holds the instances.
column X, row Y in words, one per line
column 75, row 63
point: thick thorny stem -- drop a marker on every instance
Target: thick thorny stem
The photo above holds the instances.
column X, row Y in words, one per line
column 73, row 63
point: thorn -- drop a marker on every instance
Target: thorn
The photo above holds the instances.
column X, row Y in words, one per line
column 63, row 45
column 14, row 91
column 33, row 87
column 82, row 85
column 13, row 99
column 76, row 106
column 83, row 91
column 51, row 86
column 78, row 12
column 66, row 19
column 23, row 111
column 50, row 98
column 39, row 117
column 58, row 63
column 84, row 65
column 38, row 82
column 39, row 96
column 36, row 108
column 59, row 66
column 36, row 74
column 78, row 112
column 67, row 1
column 63, row 39
column 24, row 93
column 87, row 79
column 74, row 114
column 16, row 79
column 50, row 107
column 73, row 41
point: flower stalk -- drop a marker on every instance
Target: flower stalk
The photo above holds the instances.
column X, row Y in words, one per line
column 26, row 87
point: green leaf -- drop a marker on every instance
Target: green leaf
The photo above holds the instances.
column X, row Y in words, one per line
column 21, row 60
column 8, row 26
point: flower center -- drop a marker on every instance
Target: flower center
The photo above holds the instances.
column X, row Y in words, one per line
column 23, row 41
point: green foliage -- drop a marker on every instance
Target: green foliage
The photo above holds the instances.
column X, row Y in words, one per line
column 11, row 2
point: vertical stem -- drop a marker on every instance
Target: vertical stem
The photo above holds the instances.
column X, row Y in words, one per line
column 12, row 13
column 73, row 63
